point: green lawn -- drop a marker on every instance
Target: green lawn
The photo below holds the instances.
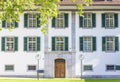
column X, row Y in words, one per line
column 60, row 80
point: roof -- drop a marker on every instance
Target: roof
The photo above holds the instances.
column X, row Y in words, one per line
column 95, row 2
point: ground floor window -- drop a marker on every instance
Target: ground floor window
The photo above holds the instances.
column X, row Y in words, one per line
column 31, row 67
column 9, row 67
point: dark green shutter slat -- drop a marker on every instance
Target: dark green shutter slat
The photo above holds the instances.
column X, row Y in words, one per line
column 116, row 44
column 117, row 67
column 93, row 20
column 3, row 43
column 116, row 20
column 94, row 43
column 16, row 44
column 81, row 21
column 26, row 20
column 53, row 43
column 103, row 43
column 38, row 20
column 103, row 20
column 66, row 43
column 53, row 22
column 81, row 43
column 66, row 19
column 25, row 43
column 38, row 43
column 3, row 24
column 16, row 24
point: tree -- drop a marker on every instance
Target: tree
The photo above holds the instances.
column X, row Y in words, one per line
column 12, row 9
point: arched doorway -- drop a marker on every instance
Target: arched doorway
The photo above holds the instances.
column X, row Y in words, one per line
column 60, row 68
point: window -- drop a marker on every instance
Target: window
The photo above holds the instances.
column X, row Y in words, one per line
column 110, row 43
column 109, row 0
column 31, row 43
column 110, row 67
column 9, row 25
column 87, row 44
column 31, row 67
column 88, row 21
column 9, row 43
column 9, row 67
column 31, row 20
column 109, row 20
column 59, row 43
column 61, row 21
column 88, row 67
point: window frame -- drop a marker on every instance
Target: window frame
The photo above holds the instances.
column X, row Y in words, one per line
column 32, row 19
column 87, row 18
column 109, row 21
column 114, row 67
column 59, row 42
column 87, row 45
column 32, row 43
column 5, row 67
column 91, row 66
column 58, row 19
column 113, row 42
column 32, row 69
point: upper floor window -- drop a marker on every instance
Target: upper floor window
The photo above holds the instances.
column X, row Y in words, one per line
column 61, row 21
column 31, row 43
column 9, row 43
column 87, row 44
column 87, row 67
column 88, row 21
column 59, row 43
column 109, row 20
column 110, row 44
column 31, row 20
column 9, row 25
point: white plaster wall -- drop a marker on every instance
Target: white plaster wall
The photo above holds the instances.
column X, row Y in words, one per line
column 98, row 59
column 20, row 59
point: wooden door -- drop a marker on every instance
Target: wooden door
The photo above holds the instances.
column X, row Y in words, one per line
column 59, row 68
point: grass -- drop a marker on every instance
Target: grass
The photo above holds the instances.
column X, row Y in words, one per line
column 59, row 80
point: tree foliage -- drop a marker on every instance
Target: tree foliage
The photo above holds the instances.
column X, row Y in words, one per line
column 12, row 9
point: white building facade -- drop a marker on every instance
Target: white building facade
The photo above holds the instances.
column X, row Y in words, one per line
column 96, row 36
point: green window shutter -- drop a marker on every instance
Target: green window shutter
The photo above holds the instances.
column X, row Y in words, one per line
column 53, row 22
column 66, row 19
column 25, row 20
column 38, row 20
column 117, row 67
column 116, row 44
column 93, row 20
column 116, row 20
column 81, row 43
column 4, row 24
column 94, row 43
column 16, row 24
column 3, row 43
column 16, row 44
column 66, row 43
column 103, row 20
column 103, row 43
column 81, row 20
column 53, row 43
column 25, row 43
column 38, row 43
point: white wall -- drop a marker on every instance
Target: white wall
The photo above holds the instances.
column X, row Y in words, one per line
column 98, row 59
column 20, row 59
